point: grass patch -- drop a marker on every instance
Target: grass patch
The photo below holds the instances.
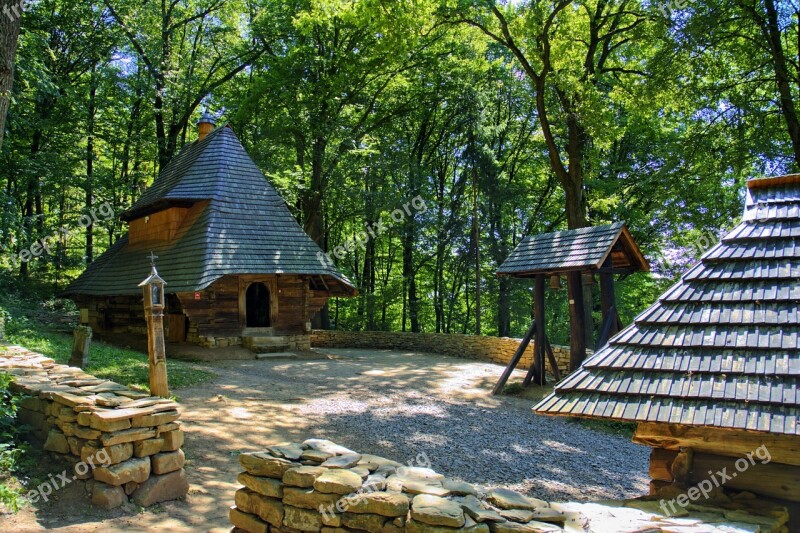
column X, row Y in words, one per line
column 513, row 389
column 125, row 366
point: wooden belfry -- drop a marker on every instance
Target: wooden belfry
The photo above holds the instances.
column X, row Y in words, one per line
column 578, row 255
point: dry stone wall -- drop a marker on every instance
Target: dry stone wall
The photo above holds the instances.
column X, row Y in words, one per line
column 124, row 443
column 319, row 486
column 495, row 349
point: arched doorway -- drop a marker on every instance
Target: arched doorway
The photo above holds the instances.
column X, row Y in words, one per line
column 257, row 306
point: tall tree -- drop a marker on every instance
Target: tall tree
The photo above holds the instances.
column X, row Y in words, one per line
column 747, row 51
column 10, row 21
column 189, row 48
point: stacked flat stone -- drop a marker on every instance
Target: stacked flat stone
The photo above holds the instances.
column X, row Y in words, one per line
column 126, row 444
column 318, row 486
column 495, row 349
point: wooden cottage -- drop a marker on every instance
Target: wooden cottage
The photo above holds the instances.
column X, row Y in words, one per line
column 239, row 268
column 710, row 372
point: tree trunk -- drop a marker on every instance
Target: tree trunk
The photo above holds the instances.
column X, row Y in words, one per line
column 10, row 20
column 504, row 307
column 476, row 238
column 90, row 164
column 577, row 343
column 772, row 34
column 409, row 275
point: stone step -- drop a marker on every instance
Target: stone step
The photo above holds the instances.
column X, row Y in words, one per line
column 276, row 355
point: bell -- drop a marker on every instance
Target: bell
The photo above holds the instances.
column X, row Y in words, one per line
column 555, row 282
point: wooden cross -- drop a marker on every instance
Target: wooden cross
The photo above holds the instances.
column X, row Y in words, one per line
column 152, row 257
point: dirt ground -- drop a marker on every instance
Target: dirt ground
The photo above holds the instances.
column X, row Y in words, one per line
column 351, row 397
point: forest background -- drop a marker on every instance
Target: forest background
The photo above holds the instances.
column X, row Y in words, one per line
column 507, row 118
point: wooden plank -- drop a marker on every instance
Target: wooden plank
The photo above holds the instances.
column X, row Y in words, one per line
column 783, row 448
column 552, row 358
column 609, row 326
column 661, row 464
column 159, row 226
column 176, row 325
column 608, row 303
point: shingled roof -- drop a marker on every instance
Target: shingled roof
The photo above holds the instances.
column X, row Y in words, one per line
column 718, row 349
column 579, row 249
column 236, row 224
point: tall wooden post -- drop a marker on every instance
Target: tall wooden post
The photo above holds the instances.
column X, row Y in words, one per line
column 539, row 343
column 588, row 306
column 153, row 288
column 82, row 339
column 608, row 299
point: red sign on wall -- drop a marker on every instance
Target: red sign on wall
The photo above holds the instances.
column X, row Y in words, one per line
column 196, row 295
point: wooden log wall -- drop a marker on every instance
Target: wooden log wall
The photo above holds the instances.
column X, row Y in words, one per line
column 762, row 463
column 783, row 448
column 217, row 311
column 121, row 314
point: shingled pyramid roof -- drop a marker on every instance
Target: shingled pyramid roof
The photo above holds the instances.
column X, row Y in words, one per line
column 236, row 224
column 576, row 249
column 721, row 348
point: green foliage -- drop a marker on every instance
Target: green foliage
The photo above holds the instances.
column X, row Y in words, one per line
column 125, row 366
column 354, row 108
column 12, row 449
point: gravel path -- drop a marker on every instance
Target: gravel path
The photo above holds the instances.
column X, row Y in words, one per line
column 408, row 407
column 424, row 408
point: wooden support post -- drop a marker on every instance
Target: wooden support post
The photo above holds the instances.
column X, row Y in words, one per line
column 552, row 358
column 661, row 464
column 587, row 279
column 82, row 340
column 577, row 341
column 609, row 325
column 608, row 299
column 536, row 372
column 514, row 360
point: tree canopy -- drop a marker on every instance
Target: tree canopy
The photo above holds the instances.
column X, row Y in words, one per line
column 493, row 119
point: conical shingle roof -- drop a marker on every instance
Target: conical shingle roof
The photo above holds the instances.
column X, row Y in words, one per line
column 236, row 224
column 721, row 348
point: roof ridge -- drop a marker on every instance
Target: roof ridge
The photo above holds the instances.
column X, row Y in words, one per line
column 172, row 174
column 769, row 181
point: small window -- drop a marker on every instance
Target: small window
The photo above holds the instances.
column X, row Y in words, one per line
column 257, row 306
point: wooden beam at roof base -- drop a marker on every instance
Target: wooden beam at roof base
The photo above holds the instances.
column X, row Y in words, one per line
column 783, row 449
column 772, row 479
